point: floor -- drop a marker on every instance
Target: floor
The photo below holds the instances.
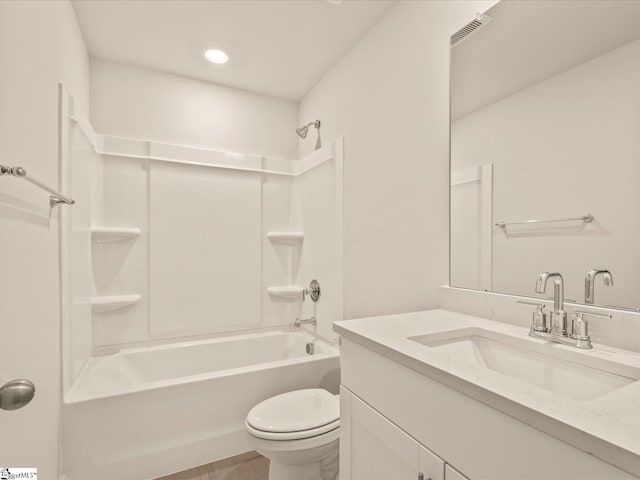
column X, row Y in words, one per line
column 248, row 466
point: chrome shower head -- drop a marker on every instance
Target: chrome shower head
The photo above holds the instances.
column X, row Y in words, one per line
column 304, row 131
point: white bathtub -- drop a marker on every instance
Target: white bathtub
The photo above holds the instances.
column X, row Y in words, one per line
column 146, row 412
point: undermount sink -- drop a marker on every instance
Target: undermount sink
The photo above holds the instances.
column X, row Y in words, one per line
column 577, row 375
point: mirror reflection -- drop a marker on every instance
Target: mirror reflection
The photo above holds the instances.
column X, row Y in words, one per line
column 545, row 150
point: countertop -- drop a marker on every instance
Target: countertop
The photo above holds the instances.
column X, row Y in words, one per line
column 607, row 427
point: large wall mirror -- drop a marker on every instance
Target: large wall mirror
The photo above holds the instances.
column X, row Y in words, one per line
column 545, row 148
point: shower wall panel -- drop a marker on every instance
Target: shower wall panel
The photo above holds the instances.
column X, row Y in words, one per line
column 121, row 267
column 204, row 260
column 80, row 171
column 317, row 210
column 205, row 249
column 279, row 262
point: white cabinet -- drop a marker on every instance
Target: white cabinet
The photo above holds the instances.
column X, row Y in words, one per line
column 432, row 467
column 405, row 409
column 373, row 448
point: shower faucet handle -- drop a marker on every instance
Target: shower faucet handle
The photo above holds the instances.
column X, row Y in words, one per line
column 313, row 291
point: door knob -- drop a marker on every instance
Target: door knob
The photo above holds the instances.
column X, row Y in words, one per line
column 16, row 394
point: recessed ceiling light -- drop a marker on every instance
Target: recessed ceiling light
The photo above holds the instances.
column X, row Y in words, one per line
column 216, row 56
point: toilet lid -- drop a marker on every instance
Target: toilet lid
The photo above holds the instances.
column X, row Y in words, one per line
column 295, row 411
column 323, row 431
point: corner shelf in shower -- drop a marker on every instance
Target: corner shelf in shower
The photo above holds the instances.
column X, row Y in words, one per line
column 286, row 238
column 109, row 303
column 111, row 234
column 291, row 293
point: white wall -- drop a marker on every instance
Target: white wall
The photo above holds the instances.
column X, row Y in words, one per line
column 388, row 97
column 40, row 45
column 136, row 102
column 564, row 147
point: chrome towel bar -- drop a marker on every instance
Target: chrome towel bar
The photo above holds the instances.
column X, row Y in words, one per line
column 588, row 218
column 55, row 199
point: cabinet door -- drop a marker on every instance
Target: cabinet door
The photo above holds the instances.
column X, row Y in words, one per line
column 451, row 473
column 373, row 448
column 431, row 466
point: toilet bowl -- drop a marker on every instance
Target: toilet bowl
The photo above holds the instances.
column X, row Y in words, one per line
column 299, row 433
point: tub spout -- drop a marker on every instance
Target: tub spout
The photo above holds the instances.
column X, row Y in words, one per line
column 305, row 321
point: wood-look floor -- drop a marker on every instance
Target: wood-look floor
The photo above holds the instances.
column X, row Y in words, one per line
column 248, row 466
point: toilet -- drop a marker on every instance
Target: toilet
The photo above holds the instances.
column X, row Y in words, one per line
column 299, row 433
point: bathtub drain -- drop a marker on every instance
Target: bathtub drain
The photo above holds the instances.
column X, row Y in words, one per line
column 310, row 348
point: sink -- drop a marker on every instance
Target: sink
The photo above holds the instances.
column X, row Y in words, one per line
column 574, row 374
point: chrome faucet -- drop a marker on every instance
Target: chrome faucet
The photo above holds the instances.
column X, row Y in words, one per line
column 557, row 331
column 558, row 315
column 589, row 283
column 305, row 321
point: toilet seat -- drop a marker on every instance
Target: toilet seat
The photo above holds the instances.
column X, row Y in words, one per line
column 299, row 435
column 295, row 415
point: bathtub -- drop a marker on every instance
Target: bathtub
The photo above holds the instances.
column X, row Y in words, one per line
column 147, row 412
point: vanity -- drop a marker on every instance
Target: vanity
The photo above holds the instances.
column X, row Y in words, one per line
column 443, row 395
column 452, row 396
column 503, row 383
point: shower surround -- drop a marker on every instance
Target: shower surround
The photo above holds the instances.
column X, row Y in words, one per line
column 179, row 256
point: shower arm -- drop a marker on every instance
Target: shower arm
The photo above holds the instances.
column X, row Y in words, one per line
column 316, row 124
column 318, row 140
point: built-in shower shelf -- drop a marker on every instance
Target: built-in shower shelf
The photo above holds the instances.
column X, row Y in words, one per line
column 111, row 234
column 108, row 303
column 286, row 238
column 291, row 293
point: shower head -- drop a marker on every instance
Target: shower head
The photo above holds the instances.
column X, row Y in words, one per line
column 304, row 130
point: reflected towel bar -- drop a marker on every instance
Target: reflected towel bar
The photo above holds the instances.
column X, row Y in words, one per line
column 55, row 199
column 588, row 218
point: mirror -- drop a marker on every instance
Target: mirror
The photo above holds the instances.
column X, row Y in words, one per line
column 545, row 126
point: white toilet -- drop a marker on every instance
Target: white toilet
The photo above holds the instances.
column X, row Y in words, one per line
column 298, row 432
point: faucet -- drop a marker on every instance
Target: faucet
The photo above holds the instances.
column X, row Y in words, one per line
column 589, row 283
column 557, row 332
column 558, row 315
column 305, row 321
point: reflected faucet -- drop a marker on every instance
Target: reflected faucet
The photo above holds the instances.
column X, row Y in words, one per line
column 558, row 315
column 590, row 280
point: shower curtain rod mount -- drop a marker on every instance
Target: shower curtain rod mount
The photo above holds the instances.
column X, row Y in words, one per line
column 55, row 199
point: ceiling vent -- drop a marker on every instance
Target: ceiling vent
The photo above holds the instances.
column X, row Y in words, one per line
column 470, row 28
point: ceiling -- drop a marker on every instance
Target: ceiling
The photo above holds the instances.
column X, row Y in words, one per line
column 277, row 47
column 529, row 41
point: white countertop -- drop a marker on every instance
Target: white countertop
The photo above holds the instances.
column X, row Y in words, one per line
column 607, row 427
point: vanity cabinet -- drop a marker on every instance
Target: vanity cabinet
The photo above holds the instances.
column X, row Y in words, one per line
column 373, row 448
column 397, row 423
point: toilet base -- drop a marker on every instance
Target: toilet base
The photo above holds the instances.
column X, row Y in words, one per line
column 315, row 458
column 309, row 454
column 324, row 469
